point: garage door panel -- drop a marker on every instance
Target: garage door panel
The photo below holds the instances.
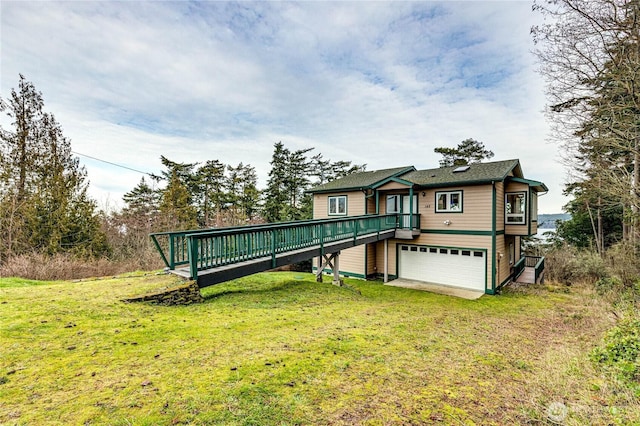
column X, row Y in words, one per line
column 456, row 267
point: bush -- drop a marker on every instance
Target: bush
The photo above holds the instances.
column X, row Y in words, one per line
column 567, row 265
column 37, row 266
column 607, row 284
column 620, row 354
column 623, row 262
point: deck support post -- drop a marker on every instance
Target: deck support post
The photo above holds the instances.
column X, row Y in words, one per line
column 336, row 270
column 319, row 270
column 386, row 260
column 332, row 261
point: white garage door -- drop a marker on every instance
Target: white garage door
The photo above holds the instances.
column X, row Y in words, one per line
column 456, row 267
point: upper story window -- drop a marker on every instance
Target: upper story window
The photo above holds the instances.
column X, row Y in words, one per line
column 515, row 208
column 393, row 204
column 449, row 201
column 338, row 205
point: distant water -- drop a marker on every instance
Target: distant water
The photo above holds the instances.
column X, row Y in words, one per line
column 541, row 231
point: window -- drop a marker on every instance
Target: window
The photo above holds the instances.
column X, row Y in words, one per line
column 423, row 249
column 454, row 251
column 477, row 254
column 444, row 251
column 433, row 250
column 338, row 205
column 515, row 208
column 414, row 248
column 393, row 204
column 466, row 252
column 449, row 201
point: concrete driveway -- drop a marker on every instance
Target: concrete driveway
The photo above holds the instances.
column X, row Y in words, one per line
column 463, row 293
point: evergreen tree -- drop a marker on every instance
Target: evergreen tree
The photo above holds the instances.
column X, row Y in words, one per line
column 468, row 151
column 249, row 197
column 275, row 195
column 142, row 207
column 211, row 192
column 242, row 194
column 43, row 189
column 176, row 199
column 175, row 206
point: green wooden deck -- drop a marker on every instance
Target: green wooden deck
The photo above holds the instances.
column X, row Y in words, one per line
column 211, row 256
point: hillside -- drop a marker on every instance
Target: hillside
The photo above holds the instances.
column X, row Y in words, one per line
column 280, row 349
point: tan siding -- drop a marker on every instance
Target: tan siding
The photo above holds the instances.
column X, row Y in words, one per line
column 393, row 185
column 476, row 210
column 320, row 209
column 503, row 268
column 500, row 206
column 351, row 260
column 517, row 187
column 371, row 205
column 355, row 204
column 380, row 257
column 371, row 259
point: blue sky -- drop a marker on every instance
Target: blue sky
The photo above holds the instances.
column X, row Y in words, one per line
column 380, row 83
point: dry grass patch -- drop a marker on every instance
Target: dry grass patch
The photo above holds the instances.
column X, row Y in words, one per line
column 281, row 349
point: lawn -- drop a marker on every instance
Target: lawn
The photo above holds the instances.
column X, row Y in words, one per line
column 281, row 349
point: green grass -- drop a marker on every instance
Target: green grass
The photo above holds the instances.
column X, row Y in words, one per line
column 280, row 349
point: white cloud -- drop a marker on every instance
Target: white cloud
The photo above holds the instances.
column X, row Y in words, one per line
column 377, row 83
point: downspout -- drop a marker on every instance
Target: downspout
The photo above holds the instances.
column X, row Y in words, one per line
column 493, row 238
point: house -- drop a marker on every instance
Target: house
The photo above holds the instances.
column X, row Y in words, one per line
column 457, row 226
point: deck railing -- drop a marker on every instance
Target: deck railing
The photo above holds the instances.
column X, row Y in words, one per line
column 210, row 248
column 539, row 268
column 536, row 262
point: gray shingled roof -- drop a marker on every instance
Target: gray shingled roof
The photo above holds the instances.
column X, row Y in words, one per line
column 444, row 176
column 477, row 173
column 360, row 180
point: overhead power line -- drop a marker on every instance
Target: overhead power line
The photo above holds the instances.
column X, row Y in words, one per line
column 116, row 164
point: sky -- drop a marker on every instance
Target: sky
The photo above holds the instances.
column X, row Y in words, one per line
column 377, row 83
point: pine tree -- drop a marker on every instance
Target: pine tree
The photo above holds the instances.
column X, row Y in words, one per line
column 468, row 151
column 177, row 212
column 211, row 192
column 43, row 189
column 275, row 195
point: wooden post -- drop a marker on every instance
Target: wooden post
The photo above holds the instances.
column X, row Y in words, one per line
column 319, row 270
column 386, row 260
column 336, row 270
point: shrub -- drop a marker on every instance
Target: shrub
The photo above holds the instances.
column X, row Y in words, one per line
column 567, row 265
column 560, row 265
column 607, row 284
column 623, row 263
column 620, row 354
column 37, row 266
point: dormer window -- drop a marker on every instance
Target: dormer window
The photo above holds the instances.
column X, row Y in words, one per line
column 515, row 208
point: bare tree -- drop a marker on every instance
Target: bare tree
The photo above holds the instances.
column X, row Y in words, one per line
column 588, row 54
